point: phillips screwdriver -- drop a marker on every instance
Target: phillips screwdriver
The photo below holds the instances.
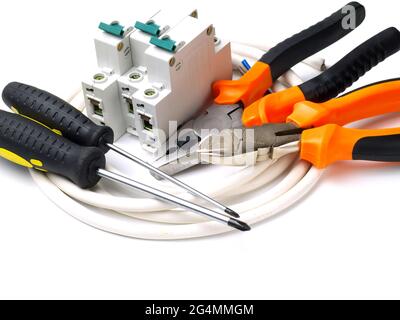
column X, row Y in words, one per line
column 63, row 118
column 30, row 144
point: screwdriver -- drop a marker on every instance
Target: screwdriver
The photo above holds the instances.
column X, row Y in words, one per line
column 63, row 118
column 30, row 144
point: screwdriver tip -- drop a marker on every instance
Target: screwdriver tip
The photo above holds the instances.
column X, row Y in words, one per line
column 232, row 213
column 240, row 225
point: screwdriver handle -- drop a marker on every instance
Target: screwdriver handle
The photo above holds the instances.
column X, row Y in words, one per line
column 351, row 67
column 372, row 100
column 255, row 83
column 56, row 114
column 32, row 145
column 325, row 145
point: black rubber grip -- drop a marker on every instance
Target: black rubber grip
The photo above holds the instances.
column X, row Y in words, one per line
column 312, row 40
column 345, row 72
column 57, row 114
column 33, row 145
column 380, row 148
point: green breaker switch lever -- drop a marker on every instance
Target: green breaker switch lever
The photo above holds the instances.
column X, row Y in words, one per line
column 166, row 44
column 149, row 27
column 113, row 28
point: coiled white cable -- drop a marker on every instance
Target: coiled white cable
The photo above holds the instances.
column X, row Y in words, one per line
column 146, row 218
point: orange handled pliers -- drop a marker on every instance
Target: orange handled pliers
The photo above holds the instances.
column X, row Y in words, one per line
column 327, row 141
column 315, row 130
column 256, row 82
column 275, row 107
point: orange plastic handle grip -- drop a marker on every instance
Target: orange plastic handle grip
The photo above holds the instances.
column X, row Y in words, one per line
column 272, row 108
column 330, row 143
column 363, row 103
column 249, row 88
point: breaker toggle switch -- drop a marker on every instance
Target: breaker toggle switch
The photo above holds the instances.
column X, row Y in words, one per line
column 113, row 28
column 166, row 44
column 149, row 27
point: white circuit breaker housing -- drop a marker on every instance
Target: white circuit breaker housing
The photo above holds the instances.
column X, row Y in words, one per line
column 160, row 71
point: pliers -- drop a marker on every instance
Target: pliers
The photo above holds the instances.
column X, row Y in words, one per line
column 315, row 129
column 278, row 60
column 275, row 107
column 278, row 106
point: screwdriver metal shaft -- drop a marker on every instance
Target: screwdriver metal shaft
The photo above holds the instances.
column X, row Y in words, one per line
column 232, row 222
column 179, row 183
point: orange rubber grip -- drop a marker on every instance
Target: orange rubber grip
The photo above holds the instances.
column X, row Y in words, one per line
column 364, row 103
column 272, row 108
column 325, row 145
column 249, row 88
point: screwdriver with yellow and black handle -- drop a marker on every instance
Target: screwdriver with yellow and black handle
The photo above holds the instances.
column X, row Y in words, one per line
column 61, row 117
column 30, row 144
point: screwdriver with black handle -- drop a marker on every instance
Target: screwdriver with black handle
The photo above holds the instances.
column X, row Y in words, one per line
column 62, row 117
column 32, row 145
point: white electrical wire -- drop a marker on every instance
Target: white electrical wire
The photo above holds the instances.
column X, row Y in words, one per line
column 151, row 219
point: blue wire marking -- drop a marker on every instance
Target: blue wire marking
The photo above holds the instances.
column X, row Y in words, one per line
column 246, row 64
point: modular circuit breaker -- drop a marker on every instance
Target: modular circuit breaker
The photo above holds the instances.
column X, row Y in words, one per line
column 157, row 71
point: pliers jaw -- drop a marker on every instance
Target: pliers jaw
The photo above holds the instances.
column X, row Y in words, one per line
column 237, row 146
column 183, row 154
column 232, row 142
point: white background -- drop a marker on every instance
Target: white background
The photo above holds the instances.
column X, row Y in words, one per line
column 342, row 241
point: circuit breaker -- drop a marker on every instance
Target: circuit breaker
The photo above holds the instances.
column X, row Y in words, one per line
column 156, row 75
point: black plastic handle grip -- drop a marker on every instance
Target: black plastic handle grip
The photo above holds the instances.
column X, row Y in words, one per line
column 57, row 114
column 30, row 144
column 380, row 148
column 345, row 72
column 312, row 40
